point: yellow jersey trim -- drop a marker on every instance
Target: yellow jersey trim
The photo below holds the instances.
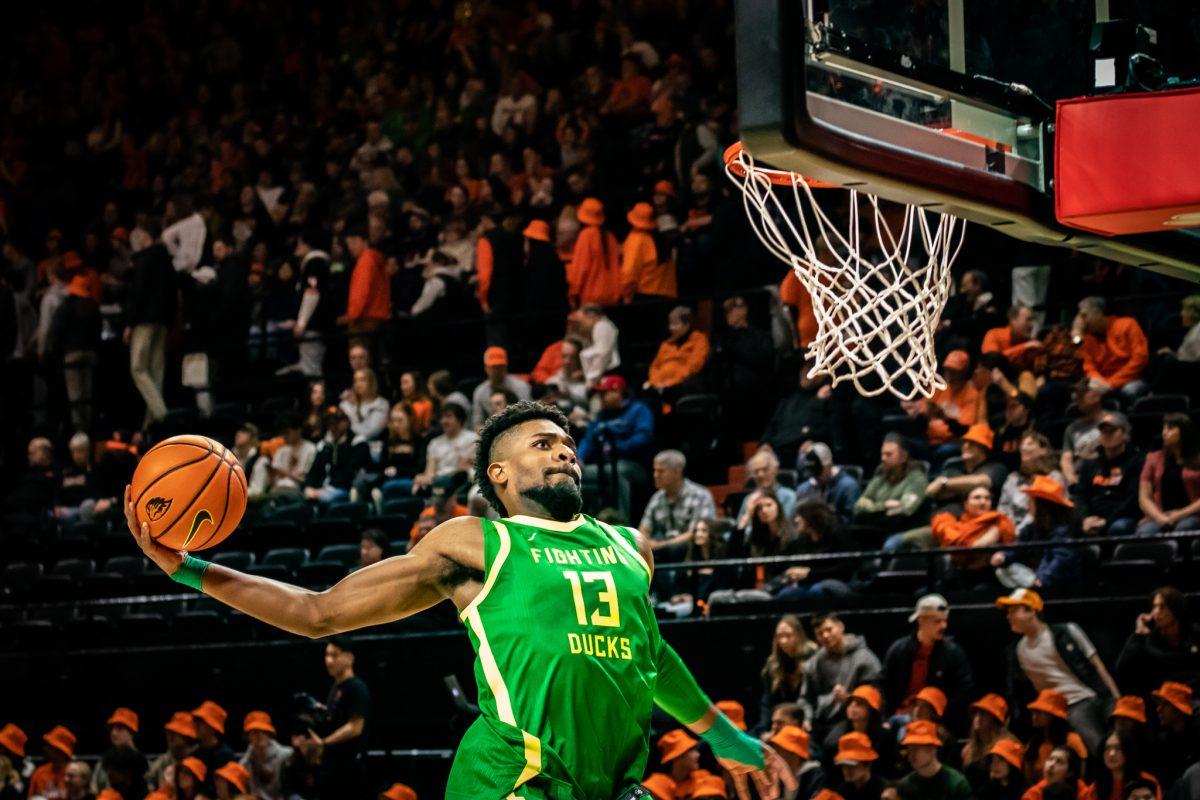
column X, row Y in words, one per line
column 625, row 545
column 549, row 524
column 490, row 581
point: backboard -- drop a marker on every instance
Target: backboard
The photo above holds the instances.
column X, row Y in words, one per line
column 946, row 104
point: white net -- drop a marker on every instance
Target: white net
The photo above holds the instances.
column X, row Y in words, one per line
column 877, row 302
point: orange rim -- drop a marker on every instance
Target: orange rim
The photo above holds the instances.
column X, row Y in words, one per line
column 779, row 177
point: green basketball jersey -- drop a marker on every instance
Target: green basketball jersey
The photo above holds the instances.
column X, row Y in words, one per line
column 566, row 645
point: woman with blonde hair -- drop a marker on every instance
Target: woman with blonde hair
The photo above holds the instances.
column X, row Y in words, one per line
column 783, row 673
column 365, row 408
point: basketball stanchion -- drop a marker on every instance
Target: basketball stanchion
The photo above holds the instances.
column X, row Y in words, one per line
column 877, row 301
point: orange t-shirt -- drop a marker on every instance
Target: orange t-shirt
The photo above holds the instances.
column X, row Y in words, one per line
column 370, row 289
column 549, row 364
column 422, row 413
column 961, row 406
column 594, row 275
column 793, row 293
column 641, row 271
column 1000, row 340
column 47, row 782
column 1121, row 357
column 676, row 361
column 1118, row 789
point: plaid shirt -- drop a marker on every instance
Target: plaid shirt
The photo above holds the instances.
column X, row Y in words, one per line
column 667, row 516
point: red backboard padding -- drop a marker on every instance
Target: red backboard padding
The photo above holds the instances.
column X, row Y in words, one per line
column 1128, row 163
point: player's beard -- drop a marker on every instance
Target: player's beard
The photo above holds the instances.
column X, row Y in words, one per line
column 562, row 501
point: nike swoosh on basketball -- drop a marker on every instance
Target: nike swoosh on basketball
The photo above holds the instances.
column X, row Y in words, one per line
column 202, row 516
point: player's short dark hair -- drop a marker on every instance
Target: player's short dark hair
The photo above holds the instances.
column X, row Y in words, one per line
column 495, row 427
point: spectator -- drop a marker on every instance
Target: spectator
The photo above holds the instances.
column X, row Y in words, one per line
column 1169, row 493
column 1004, row 778
column 807, row 409
column 569, row 378
column 122, row 727
column 1106, row 497
column 863, row 712
column 293, row 460
column 1015, row 341
column 926, row 657
column 601, row 354
column 857, row 758
column 365, row 408
column 495, row 362
column 264, row 758
column 398, row 791
column 952, row 410
column 180, row 733
column 35, row 489
column 970, row 313
column 1122, row 762
column 336, row 463
column 302, row 769
column 1050, row 728
column 190, row 776
column 1114, row 349
column 679, row 756
column 704, row 544
column 1018, row 424
column 1036, row 459
column 314, row 411
column 413, row 392
column 1164, row 645
column 369, row 305
column 75, row 336
column 782, row 676
column 230, row 778
column 743, row 357
column 621, row 434
column 1081, row 441
column 930, row 779
column 843, row 663
column 1177, row 740
column 897, row 490
column 372, row 547
column 929, row 705
column 126, row 768
column 14, row 767
column 544, row 284
column 317, row 315
column 644, row 275
column 818, row 532
column 449, row 457
column 499, row 255
column 674, row 508
column 660, row 786
column 1050, row 513
column 342, row 739
column 58, row 748
column 1189, row 316
column 443, row 506
column 403, row 456
column 978, row 526
column 763, row 469
column 214, row 753
column 792, row 744
column 977, row 468
column 765, row 531
column 1129, row 716
column 1061, row 659
column 77, row 780
column 1062, row 766
column 784, row 714
column 989, row 725
column 150, row 307
column 676, row 367
column 834, row 485
column 594, row 274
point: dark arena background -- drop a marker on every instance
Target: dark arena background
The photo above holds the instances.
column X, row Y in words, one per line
column 337, row 237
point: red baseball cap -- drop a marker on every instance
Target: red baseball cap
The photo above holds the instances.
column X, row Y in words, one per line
column 611, row 383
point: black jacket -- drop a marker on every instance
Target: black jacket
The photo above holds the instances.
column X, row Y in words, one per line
column 1108, row 488
column 1147, row 661
column 338, row 464
column 949, row 671
column 76, row 325
column 152, row 298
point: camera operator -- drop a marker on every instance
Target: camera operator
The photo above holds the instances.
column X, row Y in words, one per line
column 340, row 737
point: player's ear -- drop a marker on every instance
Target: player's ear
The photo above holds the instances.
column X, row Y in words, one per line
column 497, row 473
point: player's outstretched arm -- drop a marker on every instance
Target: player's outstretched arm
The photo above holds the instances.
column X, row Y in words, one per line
column 677, row 693
column 439, row 566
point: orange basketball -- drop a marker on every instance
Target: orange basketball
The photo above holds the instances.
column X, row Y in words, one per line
column 191, row 490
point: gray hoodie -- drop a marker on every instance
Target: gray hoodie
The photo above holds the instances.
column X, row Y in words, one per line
column 265, row 774
column 855, row 665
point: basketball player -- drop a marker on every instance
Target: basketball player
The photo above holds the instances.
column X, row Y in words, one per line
column 569, row 660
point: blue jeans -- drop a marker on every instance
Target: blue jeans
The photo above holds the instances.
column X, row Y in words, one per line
column 907, row 541
column 395, row 488
column 831, row 587
column 332, row 494
column 1151, row 528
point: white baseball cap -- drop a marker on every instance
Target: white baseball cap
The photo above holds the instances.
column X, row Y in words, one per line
column 930, row 602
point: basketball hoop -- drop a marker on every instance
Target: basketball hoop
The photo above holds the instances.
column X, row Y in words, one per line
column 876, row 302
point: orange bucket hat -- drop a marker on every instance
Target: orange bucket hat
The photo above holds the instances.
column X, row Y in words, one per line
column 212, row 714
column 196, row 767
column 183, row 724
column 1130, row 707
column 258, row 721
column 660, row 785
column 981, row 434
column 126, row 717
column 398, row 791
column 673, row 744
column 993, row 704
column 1010, row 750
column 591, row 212
column 1178, row 695
column 855, row 748
column 13, row 739
column 827, row 794
column 641, row 216
column 109, row 794
column 869, row 695
column 935, row 697
column 921, row 732
column 733, row 709
column 236, row 774
column 1046, row 488
column 708, row 785
column 537, row 229
column 793, row 739
column 664, row 187
column 1051, row 702
column 62, row 739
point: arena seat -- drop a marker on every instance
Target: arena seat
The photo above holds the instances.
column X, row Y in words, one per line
column 128, row 566
column 272, row 535
column 103, row 584
column 395, row 526
column 1161, row 404
column 17, row 578
column 336, row 530
column 355, row 512
column 289, row 558
column 320, row 574
column 345, row 554
column 407, row 507
column 241, row 560
column 74, row 568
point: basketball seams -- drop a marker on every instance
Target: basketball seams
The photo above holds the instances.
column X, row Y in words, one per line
column 192, row 502
column 175, row 468
column 225, row 510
